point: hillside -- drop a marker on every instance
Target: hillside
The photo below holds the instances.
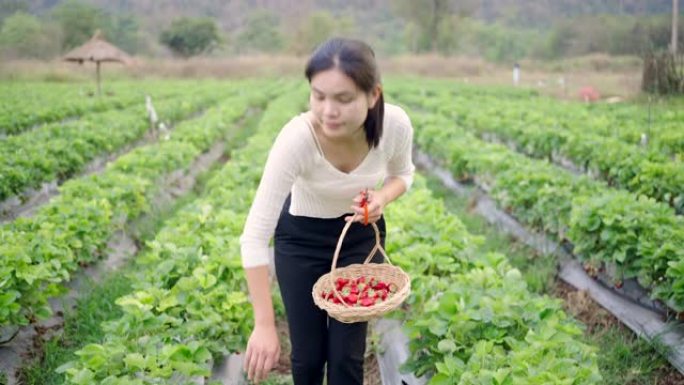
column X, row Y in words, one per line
column 498, row 30
column 231, row 13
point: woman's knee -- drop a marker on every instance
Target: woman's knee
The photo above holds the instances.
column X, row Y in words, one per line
column 346, row 350
column 345, row 368
column 309, row 365
column 342, row 357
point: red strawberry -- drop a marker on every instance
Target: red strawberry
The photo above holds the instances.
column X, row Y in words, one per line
column 341, row 282
column 367, row 302
column 380, row 286
column 382, row 294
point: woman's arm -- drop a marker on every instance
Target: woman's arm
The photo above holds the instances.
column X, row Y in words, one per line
column 400, row 169
column 263, row 348
column 284, row 163
column 393, row 188
column 259, row 284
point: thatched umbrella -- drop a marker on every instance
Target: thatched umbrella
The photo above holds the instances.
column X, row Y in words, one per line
column 98, row 50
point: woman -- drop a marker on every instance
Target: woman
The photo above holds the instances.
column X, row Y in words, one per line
column 318, row 171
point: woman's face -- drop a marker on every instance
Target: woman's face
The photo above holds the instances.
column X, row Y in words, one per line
column 339, row 105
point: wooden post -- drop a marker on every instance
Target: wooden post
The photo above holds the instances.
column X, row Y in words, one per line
column 97, row 70
column 675, row 26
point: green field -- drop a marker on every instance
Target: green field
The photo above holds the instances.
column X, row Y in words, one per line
column 606, row 178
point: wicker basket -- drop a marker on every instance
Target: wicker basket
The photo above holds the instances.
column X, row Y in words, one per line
column 386, row 272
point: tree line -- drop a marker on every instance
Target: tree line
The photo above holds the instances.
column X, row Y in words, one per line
column 487, row 28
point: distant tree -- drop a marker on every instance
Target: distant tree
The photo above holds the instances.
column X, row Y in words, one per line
column 412, row 37
column 447, row 35
column 10, row 7
column 123, row 30
column 78, row 22
column 23, row 35
column 318, row 27
column 613, row 34
column 191, row 36
column 500, row 44
column 545, row 13
column 561, row 41
column 429, row 16
column 261, row 33
column 20, row 30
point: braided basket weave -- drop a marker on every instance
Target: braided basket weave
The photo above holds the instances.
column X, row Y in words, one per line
column 386, row 272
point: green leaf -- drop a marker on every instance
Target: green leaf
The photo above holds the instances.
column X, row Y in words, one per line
column 438, row 327
column 503, row 377
column 441, row 379
column 43, row 312
column 83, row 377
column 446, row 346
column 65, row 367
column 7, row 298
column 593, row 223
column 167, row 302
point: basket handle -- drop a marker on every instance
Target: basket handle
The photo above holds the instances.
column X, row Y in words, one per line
column 376, row 248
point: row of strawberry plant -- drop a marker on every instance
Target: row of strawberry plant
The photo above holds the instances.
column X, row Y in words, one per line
column 40, row 252
column 188, row 303
column 622, row 165
column 470, row 318
column 26, row 104
column 58, row 151
column 637, row 235
column 625, row 122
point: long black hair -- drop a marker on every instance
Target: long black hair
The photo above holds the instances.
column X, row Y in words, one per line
column 355, row 59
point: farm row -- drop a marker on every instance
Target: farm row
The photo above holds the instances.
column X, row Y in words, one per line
column 470, row 318
column 72, row 230
column 638, row 236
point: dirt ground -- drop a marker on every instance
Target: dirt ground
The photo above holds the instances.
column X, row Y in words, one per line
column 610, row 76
column 598, row 321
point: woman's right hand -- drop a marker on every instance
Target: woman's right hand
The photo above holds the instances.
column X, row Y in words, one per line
column 263, row 351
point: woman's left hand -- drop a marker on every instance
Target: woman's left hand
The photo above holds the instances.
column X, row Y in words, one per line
column 376, row 204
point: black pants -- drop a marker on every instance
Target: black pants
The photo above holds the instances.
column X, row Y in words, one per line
column 304, row 248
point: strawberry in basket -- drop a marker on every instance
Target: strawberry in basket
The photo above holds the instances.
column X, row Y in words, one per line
column 362, row 291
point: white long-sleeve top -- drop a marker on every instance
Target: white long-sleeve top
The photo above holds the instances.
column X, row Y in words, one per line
column 296, row 164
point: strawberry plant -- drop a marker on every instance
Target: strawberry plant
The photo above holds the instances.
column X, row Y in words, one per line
column 545, row 196
column 73, row 229
column 188, row 303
